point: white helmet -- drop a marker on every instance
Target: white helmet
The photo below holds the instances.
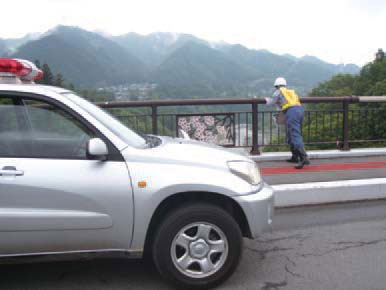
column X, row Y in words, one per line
column 280, row 82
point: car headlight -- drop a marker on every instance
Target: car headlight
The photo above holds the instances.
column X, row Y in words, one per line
column 249, row 171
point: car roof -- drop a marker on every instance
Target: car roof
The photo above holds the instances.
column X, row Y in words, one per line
column 33, row 88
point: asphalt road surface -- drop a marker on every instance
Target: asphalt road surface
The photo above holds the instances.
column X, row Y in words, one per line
column 334, row 247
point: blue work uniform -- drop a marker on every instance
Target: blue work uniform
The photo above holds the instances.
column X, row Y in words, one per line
column 294, row 119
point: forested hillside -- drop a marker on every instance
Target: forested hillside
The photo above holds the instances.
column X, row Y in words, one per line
column 179, row 65
column 367, row 120
column 371, row 81
column 84, row 58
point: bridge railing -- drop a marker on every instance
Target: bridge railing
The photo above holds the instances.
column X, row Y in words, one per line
column 213, row 120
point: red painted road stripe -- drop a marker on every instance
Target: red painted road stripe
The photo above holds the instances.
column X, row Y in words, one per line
column 323, row 168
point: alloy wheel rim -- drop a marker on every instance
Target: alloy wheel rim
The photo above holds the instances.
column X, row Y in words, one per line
column 199, row 250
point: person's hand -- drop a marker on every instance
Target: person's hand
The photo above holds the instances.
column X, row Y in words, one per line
column 267, row 100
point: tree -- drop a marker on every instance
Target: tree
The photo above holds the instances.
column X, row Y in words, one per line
column 71, row 87
column 37, row 63
column 367, row 121
column 339, row 85
column 59, row 81
column 48, row 77
column 370, row 78
column 379, row 89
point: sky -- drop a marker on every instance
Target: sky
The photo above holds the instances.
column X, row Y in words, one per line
column 337, row 31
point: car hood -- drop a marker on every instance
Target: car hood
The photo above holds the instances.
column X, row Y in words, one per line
column 189, row 152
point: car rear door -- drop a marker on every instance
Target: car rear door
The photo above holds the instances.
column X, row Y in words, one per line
column 53, row 198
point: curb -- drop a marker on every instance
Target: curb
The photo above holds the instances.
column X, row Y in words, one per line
column 314, row 193
column 321, row 154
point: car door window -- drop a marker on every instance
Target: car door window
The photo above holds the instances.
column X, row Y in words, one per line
column 8, row 118
column 10, row 129
column 55, row 133
column 36, row 129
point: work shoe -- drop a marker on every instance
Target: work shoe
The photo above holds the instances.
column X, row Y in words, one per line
column 303, row 159
column 294, row 158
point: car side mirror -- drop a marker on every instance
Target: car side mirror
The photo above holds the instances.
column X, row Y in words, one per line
column 97, row 149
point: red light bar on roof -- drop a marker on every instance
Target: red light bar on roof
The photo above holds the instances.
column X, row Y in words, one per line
column 24, row 69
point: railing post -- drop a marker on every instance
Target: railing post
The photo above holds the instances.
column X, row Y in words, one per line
column 255, row 129
column 346, row 133
column 154, row 119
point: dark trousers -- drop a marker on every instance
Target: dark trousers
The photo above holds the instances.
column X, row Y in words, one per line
column 295, row 116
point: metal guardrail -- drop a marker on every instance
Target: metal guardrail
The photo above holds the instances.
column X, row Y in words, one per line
column 259, row 120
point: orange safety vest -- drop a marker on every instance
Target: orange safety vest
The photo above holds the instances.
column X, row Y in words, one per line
column 291, row 98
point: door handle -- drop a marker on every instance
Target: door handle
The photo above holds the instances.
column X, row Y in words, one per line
column 11, row 171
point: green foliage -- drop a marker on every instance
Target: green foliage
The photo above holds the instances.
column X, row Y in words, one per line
column 59, row 81
column 379, row 89
column 371, row 80
column 48, row 77
column 366, row 121
column 339, row 85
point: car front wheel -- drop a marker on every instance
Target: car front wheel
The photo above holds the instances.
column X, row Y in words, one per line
column 197, row 246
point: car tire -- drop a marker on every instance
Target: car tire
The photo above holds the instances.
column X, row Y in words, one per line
column 197, row 246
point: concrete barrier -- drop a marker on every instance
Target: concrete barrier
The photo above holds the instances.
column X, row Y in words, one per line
column 314, row 193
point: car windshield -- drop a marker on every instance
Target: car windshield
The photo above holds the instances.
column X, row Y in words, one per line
column 108, row 120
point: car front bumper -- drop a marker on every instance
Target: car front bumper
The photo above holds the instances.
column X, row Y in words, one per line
column 258, row 209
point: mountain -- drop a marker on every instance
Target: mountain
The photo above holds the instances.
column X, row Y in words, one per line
column 84, row 58
column 312, row 59
column 290, row 56
column 14, row 43
column 336, row 68
column 3, row 48
column 196, row 67
column 347, row 69
column 152, row 49
column 302, row 73
column 181, row 64
column 196, row 63
column 264, row 63
column 9, row 45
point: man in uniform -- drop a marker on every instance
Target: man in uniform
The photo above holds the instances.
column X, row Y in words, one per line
column 289, row 104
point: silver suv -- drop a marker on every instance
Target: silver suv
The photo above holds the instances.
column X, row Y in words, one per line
column 75, row 182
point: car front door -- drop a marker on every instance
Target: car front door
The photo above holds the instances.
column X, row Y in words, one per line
column 53, row 198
